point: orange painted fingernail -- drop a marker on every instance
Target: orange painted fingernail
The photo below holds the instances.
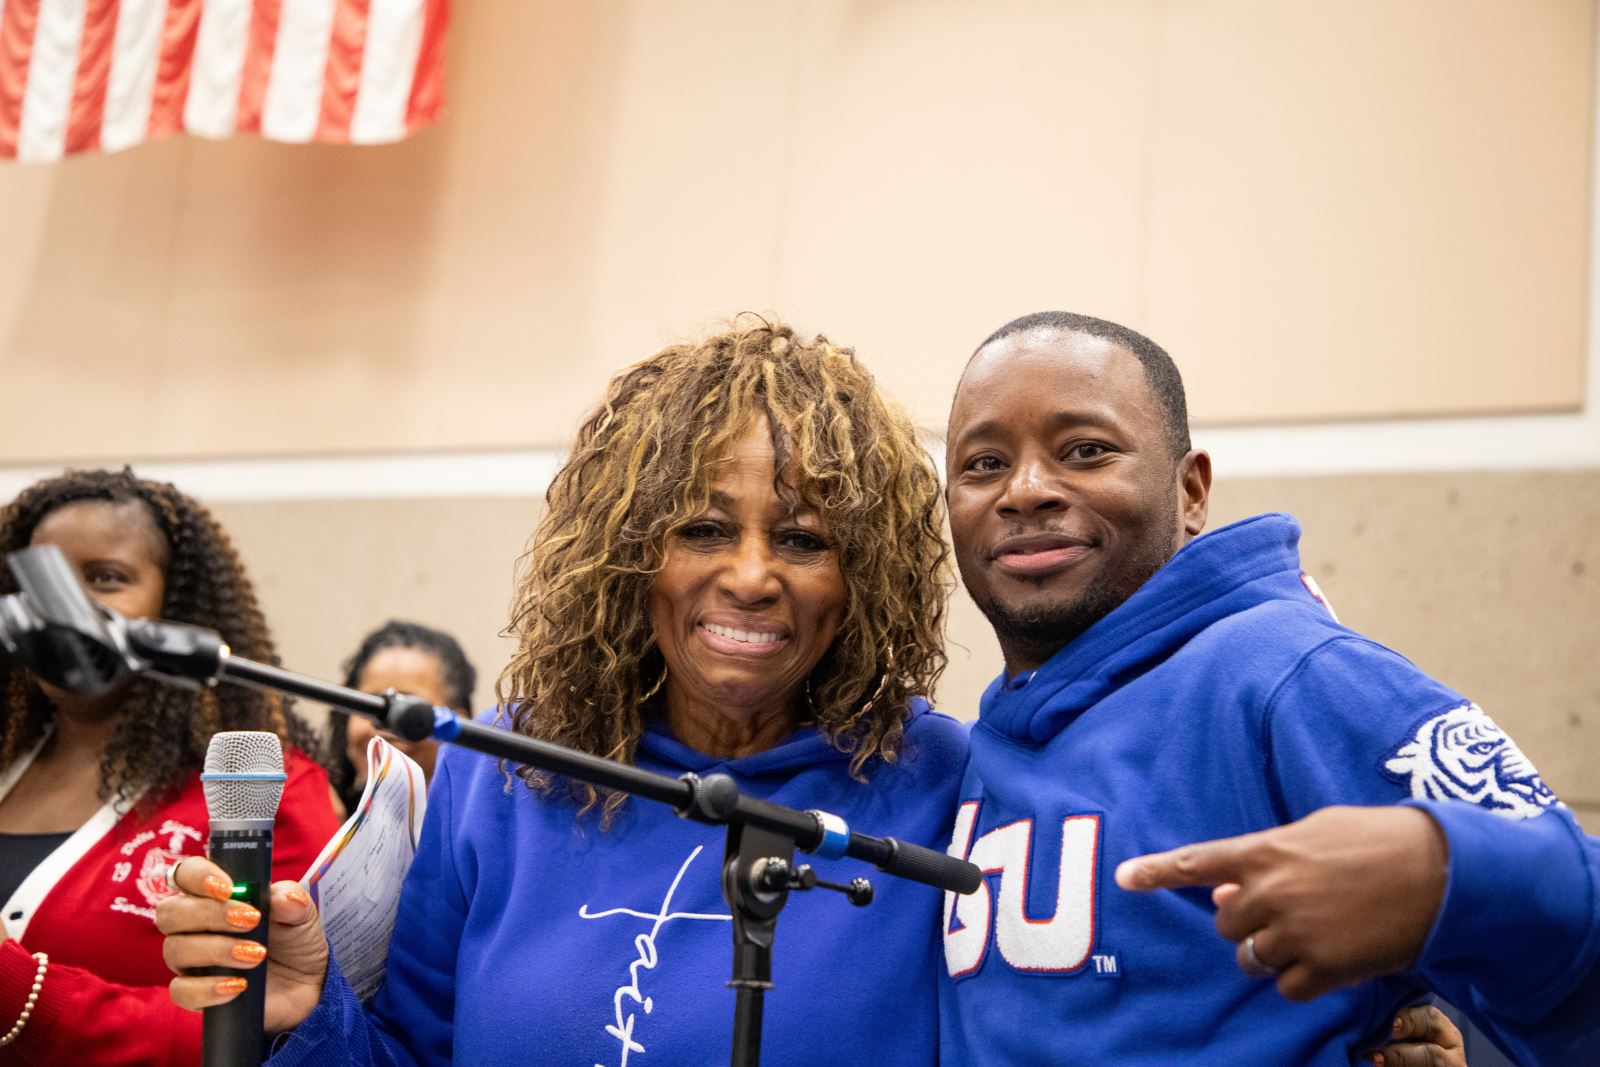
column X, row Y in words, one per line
column 227, row 986
column 300, row 897
column 218, row 887
column 248, row 951
column 242, row 916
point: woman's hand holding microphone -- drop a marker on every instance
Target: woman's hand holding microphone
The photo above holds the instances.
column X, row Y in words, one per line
column 199, row 923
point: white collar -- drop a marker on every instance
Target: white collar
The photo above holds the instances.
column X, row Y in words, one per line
column 18, row 910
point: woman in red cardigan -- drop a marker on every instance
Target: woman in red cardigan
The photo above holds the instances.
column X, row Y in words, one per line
column 98, row 795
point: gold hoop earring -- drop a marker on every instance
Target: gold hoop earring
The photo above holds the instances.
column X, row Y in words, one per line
column 660, row 681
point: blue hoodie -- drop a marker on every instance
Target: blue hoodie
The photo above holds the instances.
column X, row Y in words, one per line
column 526, row 936
column 1223, row 697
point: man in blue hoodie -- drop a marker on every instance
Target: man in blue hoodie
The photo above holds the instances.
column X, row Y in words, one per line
column 1163, row 688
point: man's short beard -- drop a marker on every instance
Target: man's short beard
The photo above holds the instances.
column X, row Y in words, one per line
column 1052, row 626
column 1045, row 629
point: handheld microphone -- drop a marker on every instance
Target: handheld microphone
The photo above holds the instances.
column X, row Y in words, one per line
column 243, row 780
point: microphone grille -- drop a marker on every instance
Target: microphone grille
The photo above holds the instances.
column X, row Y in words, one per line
column 243, row 776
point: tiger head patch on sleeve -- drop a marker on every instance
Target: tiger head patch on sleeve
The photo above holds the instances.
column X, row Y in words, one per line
column 1461, row 754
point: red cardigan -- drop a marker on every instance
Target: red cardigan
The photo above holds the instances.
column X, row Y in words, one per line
column 104, row 1001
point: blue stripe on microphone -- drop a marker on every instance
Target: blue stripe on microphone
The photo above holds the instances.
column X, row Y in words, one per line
column 446, row 724
column 835, row 835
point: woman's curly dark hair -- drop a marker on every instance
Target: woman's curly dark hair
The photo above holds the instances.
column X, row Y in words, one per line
column 587, row 659
column 162, row 736
column 460, row 677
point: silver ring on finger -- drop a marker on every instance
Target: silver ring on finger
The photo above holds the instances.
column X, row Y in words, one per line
column 172, row 873
column 1251, row 964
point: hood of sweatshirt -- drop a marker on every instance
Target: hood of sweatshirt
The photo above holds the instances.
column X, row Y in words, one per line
column 1216, row 575
column 805, row 747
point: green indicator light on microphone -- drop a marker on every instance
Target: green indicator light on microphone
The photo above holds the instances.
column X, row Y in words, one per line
column 240, row 890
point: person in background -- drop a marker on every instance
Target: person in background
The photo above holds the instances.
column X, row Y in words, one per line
column 100, row 795
column 742, row 571
column 409, row 658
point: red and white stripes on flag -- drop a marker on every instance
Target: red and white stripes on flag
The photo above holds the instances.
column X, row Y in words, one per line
column 87, row 75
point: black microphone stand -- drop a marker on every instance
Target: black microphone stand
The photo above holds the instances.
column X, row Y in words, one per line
column 758, row 870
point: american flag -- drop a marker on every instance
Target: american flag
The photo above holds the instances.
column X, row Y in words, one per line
column 103, row 75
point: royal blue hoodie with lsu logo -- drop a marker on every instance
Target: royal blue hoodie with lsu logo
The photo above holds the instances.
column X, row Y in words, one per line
column 1221, row 698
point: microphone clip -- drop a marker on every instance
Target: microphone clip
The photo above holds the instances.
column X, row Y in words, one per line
column 775, row 873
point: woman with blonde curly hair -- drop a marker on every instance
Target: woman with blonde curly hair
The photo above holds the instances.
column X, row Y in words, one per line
column 99, row 795
column 742, row 571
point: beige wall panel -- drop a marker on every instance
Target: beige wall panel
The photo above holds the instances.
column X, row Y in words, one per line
column 1373, row 207
column 957, row 165
column 83, row 324
column 329, row 572
column 902, row 174
column 698, row 146
column 1490, row 582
